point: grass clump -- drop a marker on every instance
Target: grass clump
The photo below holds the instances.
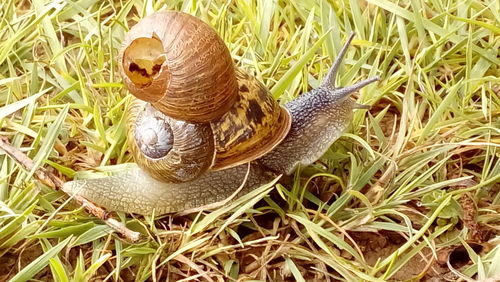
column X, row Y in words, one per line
column 415, row 176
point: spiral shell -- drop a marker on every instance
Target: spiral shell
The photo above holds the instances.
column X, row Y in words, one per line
column 169, row 150
column 180, row 65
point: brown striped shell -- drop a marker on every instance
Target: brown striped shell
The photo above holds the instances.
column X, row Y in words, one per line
column 252, row 127
column 180, row 65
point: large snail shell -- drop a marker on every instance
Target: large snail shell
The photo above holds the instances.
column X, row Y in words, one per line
column 179, row 151
column 168, row 149
column 180, row 65
column 198, row 112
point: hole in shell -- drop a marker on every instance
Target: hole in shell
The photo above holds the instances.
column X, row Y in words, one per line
column 143, row 59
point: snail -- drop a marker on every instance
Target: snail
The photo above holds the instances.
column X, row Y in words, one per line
column 200, row 128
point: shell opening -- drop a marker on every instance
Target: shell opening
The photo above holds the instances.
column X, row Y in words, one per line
column 143, row 60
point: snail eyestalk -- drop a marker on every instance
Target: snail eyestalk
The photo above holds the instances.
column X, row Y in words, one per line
column 348, row 90
column 329, row 81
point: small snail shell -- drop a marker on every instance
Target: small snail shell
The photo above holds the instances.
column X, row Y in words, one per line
column 180, row 65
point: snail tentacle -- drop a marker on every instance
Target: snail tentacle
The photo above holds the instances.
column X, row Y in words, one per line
column 329, row 81
column 348, row 90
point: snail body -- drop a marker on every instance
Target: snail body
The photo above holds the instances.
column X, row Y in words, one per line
column 188, row 160
column 135, row 191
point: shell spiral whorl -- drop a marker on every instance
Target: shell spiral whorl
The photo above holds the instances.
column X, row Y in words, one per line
column 155, row 137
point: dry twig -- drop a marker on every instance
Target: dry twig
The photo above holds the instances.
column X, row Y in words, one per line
column 53, row 181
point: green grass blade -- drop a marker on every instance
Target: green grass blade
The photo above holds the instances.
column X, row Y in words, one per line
column 39, row 263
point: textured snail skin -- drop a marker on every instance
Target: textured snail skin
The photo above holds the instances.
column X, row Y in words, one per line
column 319, row 117
column 126, row 191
